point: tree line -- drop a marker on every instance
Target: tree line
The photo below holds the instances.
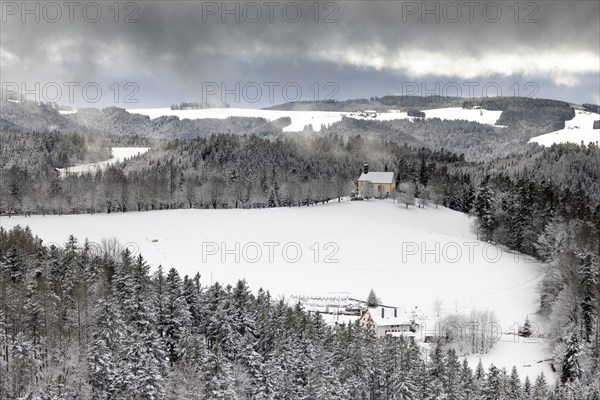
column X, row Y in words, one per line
column 562, row 229
column 221, row 171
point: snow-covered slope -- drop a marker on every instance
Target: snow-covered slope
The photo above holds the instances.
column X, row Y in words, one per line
column 300, row 119
column 372, row 246
column 579, row 129
column 118, row 154
column 482, row 116
column 530, row 356
column 452, row 113
column 408, row 256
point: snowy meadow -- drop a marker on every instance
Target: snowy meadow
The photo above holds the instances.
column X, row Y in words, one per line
column 409, row 256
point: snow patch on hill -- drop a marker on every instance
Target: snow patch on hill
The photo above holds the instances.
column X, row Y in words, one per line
column 531, row 356
column 579, row 129
column 67, row 112
column 118, row 155
column 482, row 116
column 301, row 119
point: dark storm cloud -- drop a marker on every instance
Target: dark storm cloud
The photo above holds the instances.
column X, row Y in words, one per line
column 175, row 46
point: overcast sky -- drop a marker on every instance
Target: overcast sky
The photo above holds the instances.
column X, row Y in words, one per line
column 189, row 51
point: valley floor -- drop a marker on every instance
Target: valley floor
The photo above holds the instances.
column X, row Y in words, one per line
column 410, row 257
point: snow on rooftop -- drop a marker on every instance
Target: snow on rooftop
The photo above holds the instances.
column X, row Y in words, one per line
column 401, row 316
column 377, row 177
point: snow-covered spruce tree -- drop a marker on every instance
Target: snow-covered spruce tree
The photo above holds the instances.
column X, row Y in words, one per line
column 480, row 372
column 519, row 217
column 422, row 379
column 540, row 388
column 588, row 272
column 571, row 368
column 403, row 387
column 493, row 388
column 4, row 350
column 14, row 265
column 123, row 285
column 25, row 358
column 411, row 376
column 274, row 199
column 188, row 370
column 221, row 330
column 253, row 364
column 527, row 388
column 159, row 301
column 372, row 299
column 216, row 376
column 243, row 317
column 269, row 378
column 354, row 366
column 144, row 371
column 484, row 209
column 176, row 316
column 514, row 390
column 424, row 173
column 35, row 313
column 527, row 329
column 322, row 380
column 391, row 352
column 468, row 385
column 438, row 370
column 142, row 357
column 192, row 291
column 104, row 350
column 452, row 387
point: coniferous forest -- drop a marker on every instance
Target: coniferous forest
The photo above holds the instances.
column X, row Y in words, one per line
column 93, row 322
column 82, row 321
column 300, row 200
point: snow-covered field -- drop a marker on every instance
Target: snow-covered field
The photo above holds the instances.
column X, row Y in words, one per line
column 408, row 256
column 67, row 112
column 118, row 155
column 530, row 356
column 452, row 113
column 300, row 119
column 488, row 117
column 579, row 129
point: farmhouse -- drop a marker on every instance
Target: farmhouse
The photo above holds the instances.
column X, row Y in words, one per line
column 375, row 183
column 389, row 321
